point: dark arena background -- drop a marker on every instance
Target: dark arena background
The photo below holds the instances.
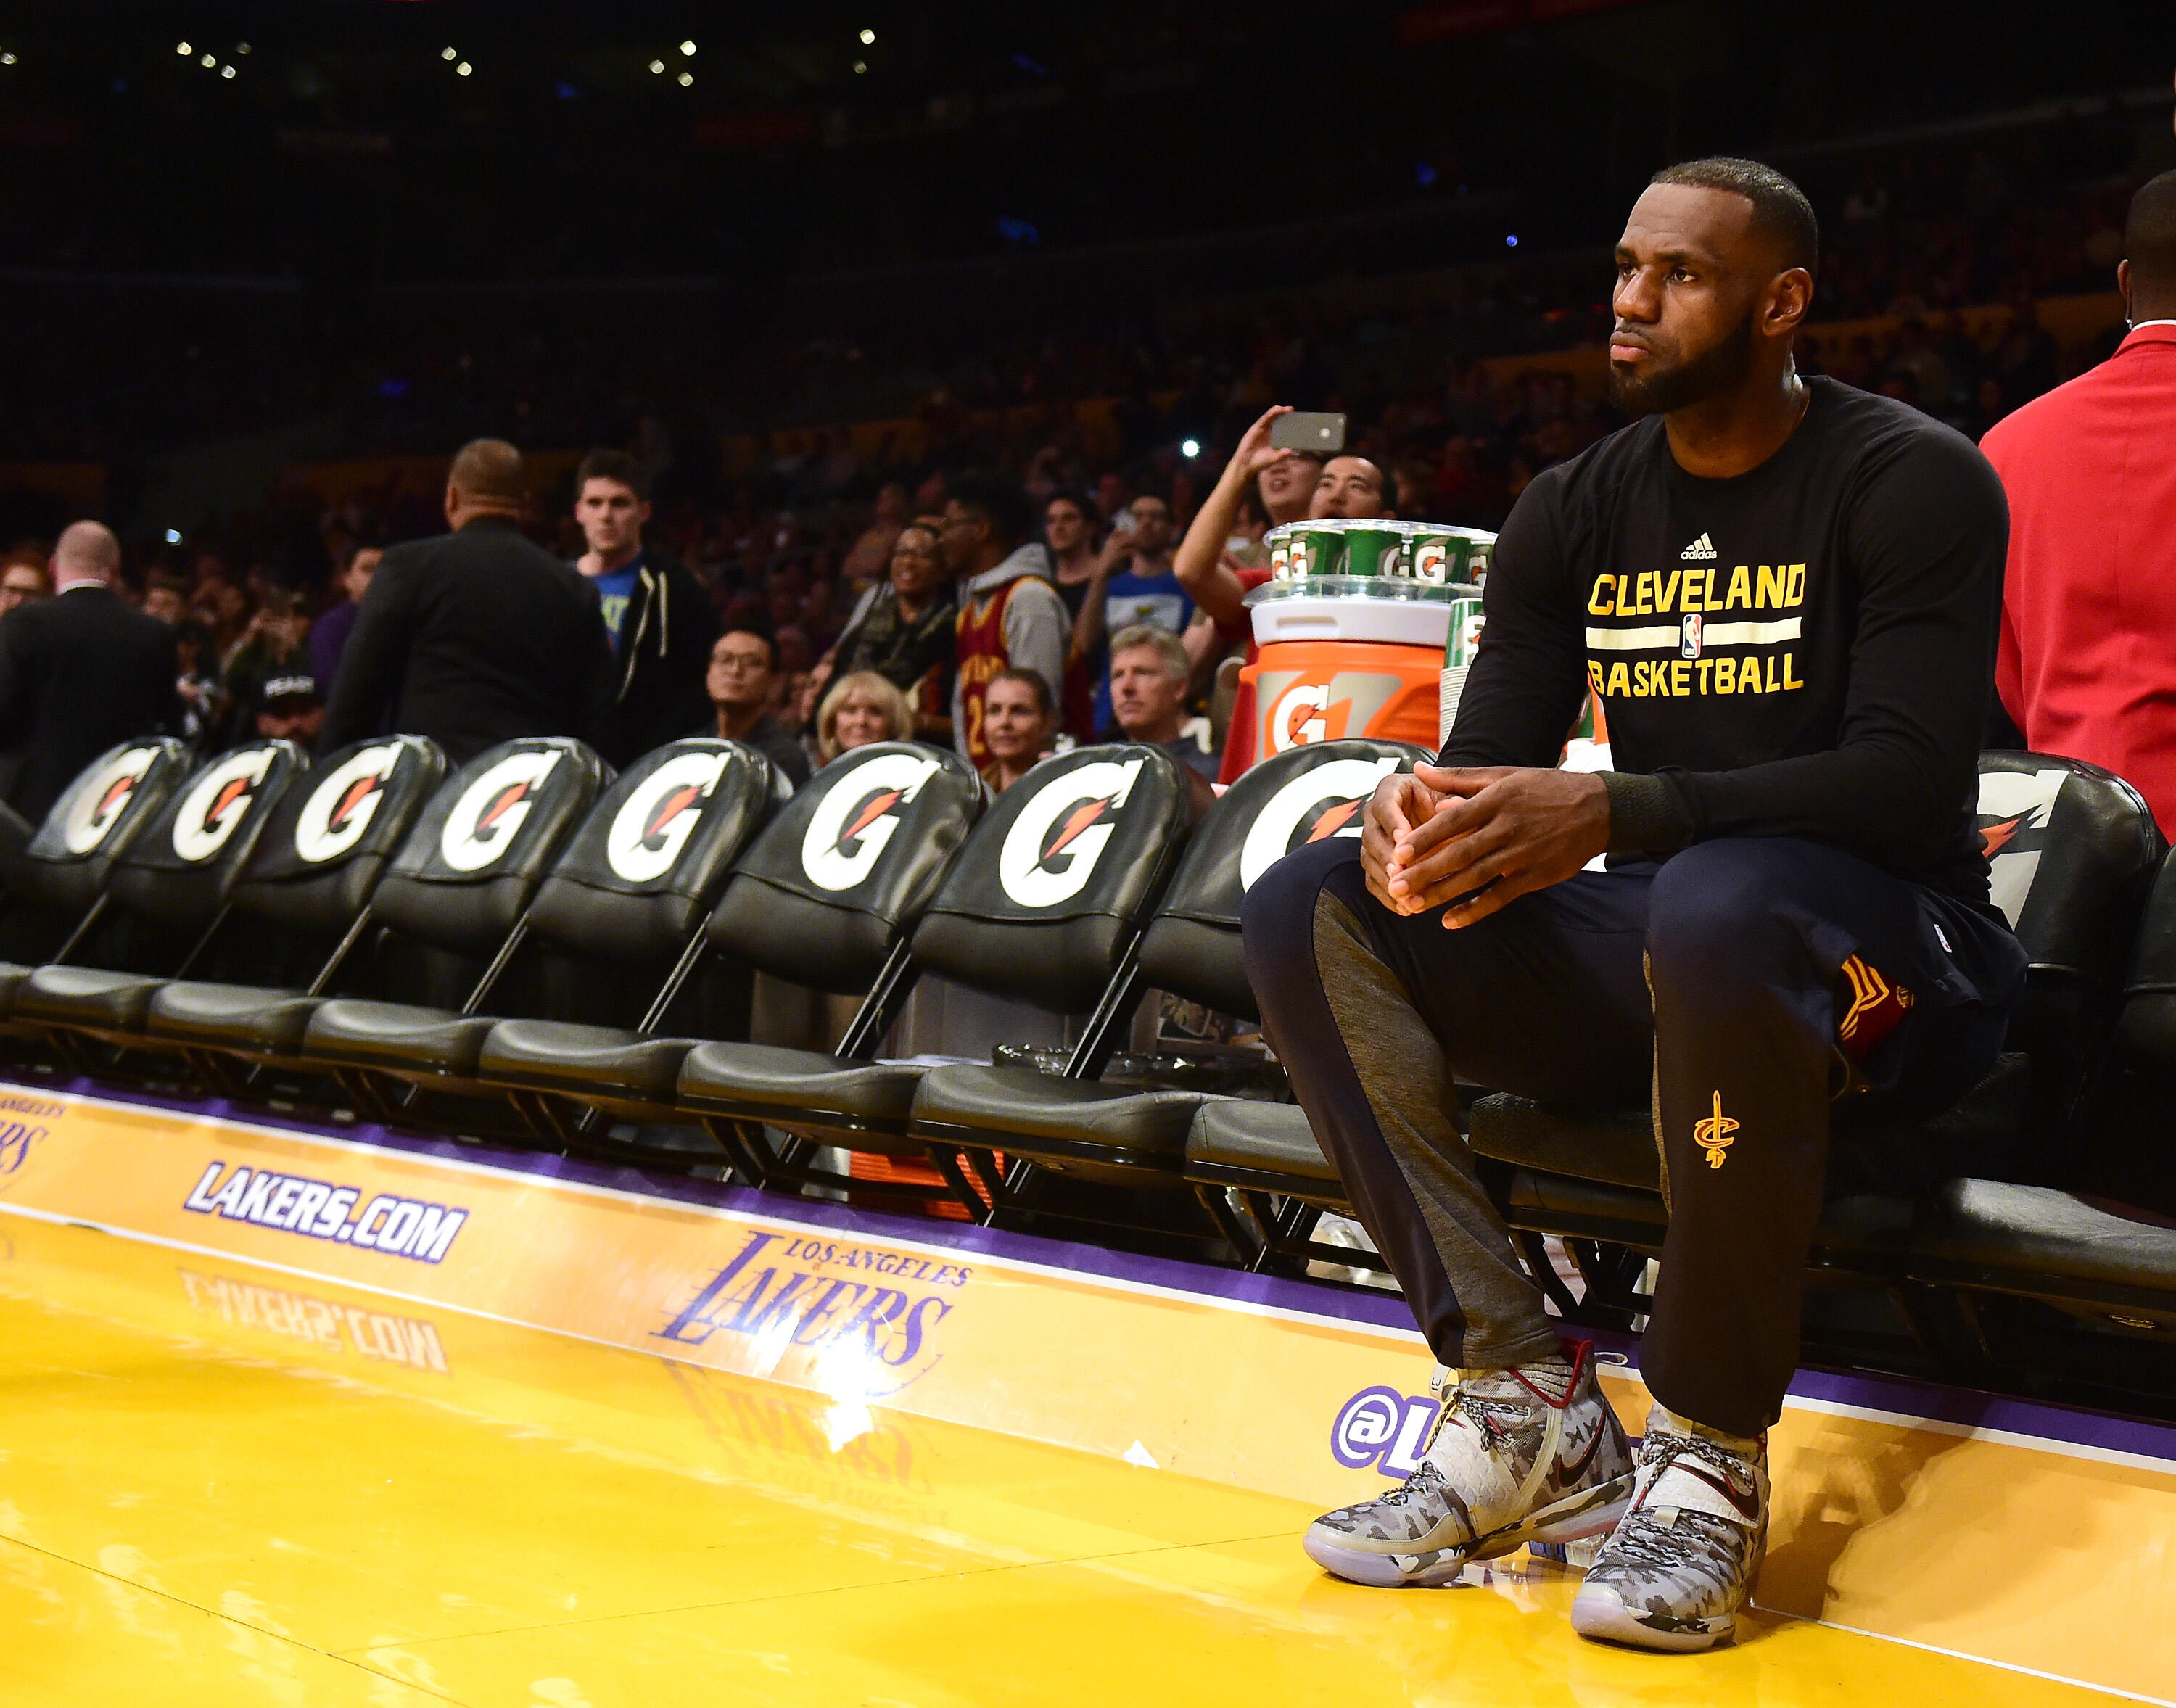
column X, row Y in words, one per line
column 654, row 659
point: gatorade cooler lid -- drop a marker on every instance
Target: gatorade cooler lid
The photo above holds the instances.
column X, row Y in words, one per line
column 1377, row 609
column 1391, row 588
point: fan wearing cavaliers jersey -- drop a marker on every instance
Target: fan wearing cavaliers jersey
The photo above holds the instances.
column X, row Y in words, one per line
column 1010, row 614
column 1786, row 593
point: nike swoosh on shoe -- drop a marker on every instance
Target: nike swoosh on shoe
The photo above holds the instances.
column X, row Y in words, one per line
column 1750, row 1505
column 1564, row 1477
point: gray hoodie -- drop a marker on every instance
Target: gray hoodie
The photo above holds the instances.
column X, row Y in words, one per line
column 1038, row 627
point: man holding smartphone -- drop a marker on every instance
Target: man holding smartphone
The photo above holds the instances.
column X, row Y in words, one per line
column 1796, row 909
column 1294, row 482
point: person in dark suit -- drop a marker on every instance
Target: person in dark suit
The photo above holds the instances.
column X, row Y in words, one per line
column 78, row 672
column 476, row 637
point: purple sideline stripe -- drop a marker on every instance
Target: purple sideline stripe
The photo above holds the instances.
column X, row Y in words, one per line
column 1313, row 1298
column 1963, row 1406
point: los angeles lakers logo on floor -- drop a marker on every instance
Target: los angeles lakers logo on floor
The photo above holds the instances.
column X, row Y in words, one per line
column 1712, row 1135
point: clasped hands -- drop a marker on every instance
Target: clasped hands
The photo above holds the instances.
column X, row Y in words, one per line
column 1480, row 837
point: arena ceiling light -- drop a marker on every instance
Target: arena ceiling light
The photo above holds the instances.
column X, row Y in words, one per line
column 449, row 54
column 868, row 38
column 656, row 67
column 6, row 58
column 463, row 69
column 227, row 71
column 689, row 49
column 208, row 61
column 183, row 49
column 687, row 79
column 860, row 66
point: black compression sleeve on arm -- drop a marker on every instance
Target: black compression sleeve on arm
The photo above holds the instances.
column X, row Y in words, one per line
column 1526, row 680
column 1646, row 814
column 1928, row 535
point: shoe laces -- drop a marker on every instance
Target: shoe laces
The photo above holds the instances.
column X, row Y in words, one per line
column 1490, row 1415
column 1643, row 1542
column 1661, row 1446
column 1454, row 1397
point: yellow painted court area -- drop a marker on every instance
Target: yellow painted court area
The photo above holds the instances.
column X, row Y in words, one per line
column 225, row 1484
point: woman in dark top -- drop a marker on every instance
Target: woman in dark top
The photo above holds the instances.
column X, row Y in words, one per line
column 903, row 631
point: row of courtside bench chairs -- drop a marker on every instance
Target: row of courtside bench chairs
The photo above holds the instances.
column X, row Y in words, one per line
column 531, row 950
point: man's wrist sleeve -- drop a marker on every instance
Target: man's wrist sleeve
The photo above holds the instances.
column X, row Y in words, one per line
column 1646, row 815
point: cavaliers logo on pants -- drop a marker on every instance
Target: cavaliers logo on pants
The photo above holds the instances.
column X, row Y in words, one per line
column 1712, row 1135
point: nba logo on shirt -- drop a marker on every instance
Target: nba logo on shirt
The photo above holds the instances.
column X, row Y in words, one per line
column 1688, row 641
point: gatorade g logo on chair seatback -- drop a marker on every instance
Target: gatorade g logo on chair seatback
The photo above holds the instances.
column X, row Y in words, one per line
column 1308, row 706
column 1051, row 849
column 340, row 809
column 99, row 803
column 858, row 817
column 217, row 802
column 490, row 811
column 2015, row 810
column 1313, row 806
column 653, row 824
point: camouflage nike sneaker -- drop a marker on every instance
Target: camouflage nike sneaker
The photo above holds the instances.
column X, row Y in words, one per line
column 1682, row 1562
column 1506, row 1464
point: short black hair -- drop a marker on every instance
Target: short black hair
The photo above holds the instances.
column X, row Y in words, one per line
column 1386, row 478
column 2149, row 236
column 760, row 628
column 606, row 464
column 1780, row 208
column 997, row 497
column 1090, row 512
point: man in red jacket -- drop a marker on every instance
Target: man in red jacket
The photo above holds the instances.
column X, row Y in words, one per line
column 2087, row 666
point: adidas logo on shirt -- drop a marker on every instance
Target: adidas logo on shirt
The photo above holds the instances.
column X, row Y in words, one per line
column 1701, row 548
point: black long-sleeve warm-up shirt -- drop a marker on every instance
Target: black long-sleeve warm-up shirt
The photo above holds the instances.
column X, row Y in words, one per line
column 1806, row 649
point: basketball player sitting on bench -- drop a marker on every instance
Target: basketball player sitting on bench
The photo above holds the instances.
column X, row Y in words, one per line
column 1786, row 594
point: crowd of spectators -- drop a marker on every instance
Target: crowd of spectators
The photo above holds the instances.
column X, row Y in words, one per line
column 867, row 585
column 839, row 598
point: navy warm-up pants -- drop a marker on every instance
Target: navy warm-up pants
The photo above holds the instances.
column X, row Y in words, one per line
column 1765, row 957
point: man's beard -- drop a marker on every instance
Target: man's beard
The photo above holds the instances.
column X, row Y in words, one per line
column 1717, row 369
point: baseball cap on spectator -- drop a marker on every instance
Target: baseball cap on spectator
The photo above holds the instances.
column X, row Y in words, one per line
column 288, row 702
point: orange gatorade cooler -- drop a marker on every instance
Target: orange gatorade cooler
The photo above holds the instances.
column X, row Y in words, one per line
column 1346, row 655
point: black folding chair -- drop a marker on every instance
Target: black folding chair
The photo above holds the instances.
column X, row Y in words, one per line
column 307, row 893
column 434, row 925
column 823, row 899
column 54, row 881
column 1133, row 1135
column 1042, row 905
column 164, row 901
column 618, row 907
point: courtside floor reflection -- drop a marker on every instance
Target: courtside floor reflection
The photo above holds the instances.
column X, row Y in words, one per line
column 227, row 1484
